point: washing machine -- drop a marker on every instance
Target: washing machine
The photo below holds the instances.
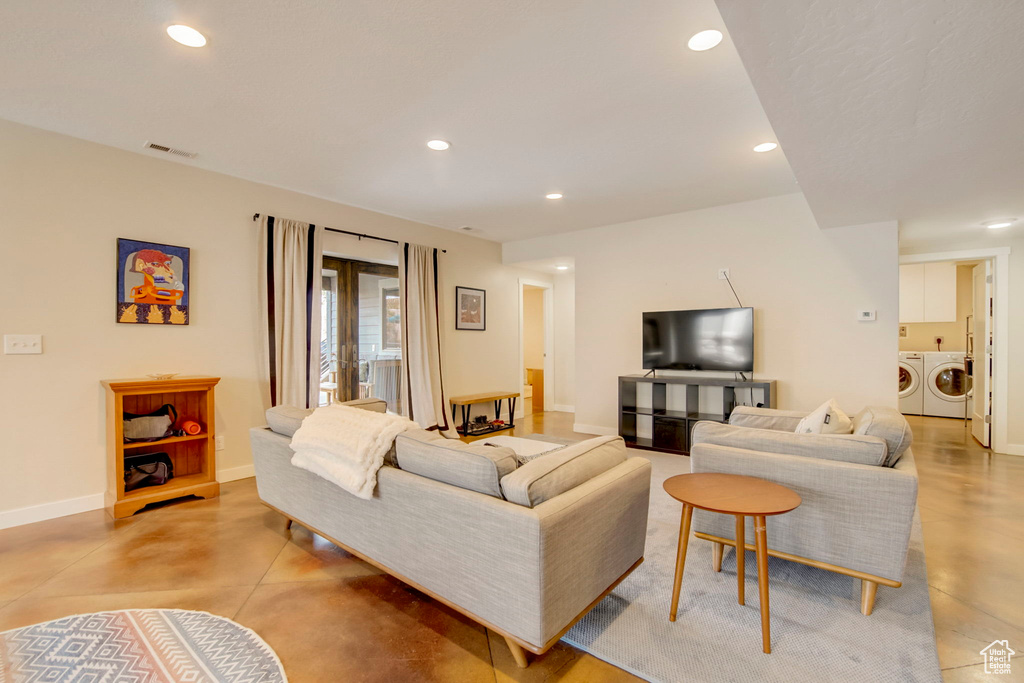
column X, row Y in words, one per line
column 912, row 382
column 947, row 384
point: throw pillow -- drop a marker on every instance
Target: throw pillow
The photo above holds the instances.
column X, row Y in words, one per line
column 826, row 419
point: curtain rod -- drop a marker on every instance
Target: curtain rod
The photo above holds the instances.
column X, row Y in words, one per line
column 360, row 235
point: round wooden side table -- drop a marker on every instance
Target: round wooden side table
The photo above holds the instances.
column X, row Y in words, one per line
column 741, row 496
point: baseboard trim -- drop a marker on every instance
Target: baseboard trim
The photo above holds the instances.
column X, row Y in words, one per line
column 72, row 506
column 45, row 511
column 1013, row 449
column 594, row 429
column 235, row 473
column 563, row 408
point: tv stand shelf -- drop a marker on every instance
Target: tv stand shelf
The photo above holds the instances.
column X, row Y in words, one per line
column 671, row 427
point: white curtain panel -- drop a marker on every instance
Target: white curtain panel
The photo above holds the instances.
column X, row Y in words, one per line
column 423, row 399
column 291, row 260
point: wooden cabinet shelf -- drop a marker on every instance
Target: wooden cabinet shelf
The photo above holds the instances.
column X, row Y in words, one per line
column 193, row 456
column 163, row 442
column 184, row 482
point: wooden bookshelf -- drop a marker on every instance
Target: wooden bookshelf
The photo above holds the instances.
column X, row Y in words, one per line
column 195, row 467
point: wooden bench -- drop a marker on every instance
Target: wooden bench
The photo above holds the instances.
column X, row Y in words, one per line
column 466, row 403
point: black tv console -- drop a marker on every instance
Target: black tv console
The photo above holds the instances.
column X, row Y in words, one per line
column 671, row 425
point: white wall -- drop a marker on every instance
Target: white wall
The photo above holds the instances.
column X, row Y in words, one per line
column 66, row 201
column 564, row 297
column 805, row 284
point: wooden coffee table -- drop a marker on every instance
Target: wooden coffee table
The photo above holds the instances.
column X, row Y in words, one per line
column 731, row 494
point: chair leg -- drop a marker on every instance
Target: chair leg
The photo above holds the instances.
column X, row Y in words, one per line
column 518, row 653
column 868, row 590
column 716, row 556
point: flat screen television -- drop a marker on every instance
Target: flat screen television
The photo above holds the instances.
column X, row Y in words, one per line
column 710, row 339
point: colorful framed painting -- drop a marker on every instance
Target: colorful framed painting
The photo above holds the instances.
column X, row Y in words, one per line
column 152, row 283
column 470, row 309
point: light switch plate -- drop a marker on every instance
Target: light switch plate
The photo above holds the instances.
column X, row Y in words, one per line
column 23, row 344
column 865, row 315
column 219, row 442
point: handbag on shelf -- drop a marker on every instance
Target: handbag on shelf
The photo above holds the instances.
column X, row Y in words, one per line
column 151, row 426
column 147, row 469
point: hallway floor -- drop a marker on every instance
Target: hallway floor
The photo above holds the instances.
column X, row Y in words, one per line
column 321, row 609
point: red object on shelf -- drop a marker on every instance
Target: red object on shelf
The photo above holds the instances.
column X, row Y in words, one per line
column 191, row 427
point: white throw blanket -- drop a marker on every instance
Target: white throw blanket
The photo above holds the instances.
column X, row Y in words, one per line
column 346, row 446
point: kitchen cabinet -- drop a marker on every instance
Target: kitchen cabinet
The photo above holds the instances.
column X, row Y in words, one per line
column 928, row 292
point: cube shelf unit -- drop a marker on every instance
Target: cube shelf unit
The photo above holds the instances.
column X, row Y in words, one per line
column 671, row 425
column 195, row 469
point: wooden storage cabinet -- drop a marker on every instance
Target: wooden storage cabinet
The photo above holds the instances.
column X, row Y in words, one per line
column 195, row 469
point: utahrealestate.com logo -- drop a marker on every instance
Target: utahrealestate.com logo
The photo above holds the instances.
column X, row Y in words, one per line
column 997, row 657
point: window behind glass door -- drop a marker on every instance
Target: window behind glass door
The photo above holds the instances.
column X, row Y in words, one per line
column 361, row 346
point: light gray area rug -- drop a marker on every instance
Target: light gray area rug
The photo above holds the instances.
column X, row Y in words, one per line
column 817, row 630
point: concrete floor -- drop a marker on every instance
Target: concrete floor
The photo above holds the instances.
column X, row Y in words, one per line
column 331, row 617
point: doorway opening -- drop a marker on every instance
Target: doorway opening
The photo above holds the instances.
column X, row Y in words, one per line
column 953, row 327
column 360, row 336
column 536, row 342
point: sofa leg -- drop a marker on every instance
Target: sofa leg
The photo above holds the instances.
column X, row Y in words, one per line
column 716, row 556
column 518, row 653
column 868, row 590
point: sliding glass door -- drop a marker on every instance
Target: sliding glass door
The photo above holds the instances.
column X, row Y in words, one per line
column 360, row 341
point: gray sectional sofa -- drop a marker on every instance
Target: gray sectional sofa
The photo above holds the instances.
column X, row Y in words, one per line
column 859, row 490
column 525, row 551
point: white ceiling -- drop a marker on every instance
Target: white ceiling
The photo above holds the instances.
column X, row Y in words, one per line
column 894, row 109
column 554, row 265
column 599, row 100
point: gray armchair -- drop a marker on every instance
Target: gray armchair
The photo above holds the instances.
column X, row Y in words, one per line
column 859, row 490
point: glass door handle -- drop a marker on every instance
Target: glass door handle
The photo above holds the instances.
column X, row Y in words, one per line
column 344, row 359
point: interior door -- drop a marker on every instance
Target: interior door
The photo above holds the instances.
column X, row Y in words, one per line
column 981, row 410
column 360, row 344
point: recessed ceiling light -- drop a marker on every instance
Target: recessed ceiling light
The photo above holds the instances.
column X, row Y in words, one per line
column 705, row 40
column 186, row 35
column 995, row 225
column 438, row 145
column 766, row 146
column 561, row 267
column 553, row 195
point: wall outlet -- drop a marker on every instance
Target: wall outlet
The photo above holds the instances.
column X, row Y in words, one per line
column 939, row 340
column 219, row 441
column 723, row 273
column 865, row 315
column 903, row 331
column 16, row 344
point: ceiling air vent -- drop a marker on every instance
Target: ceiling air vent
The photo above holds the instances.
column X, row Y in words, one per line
column 170, row 150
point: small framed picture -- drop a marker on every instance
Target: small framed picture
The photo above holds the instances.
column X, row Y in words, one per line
column 152, row 283
column 470, row 309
